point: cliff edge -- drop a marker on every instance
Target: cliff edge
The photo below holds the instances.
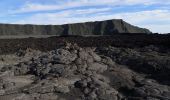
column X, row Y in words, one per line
column 107, row 27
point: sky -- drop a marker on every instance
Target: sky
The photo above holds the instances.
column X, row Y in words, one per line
column 151, row 14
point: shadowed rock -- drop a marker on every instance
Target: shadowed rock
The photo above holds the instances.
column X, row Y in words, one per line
column 107, row 27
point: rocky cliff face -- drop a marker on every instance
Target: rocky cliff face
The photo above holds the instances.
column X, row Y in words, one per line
column 107, row 27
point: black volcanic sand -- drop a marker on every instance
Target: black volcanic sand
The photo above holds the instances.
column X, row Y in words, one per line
column 118, row 67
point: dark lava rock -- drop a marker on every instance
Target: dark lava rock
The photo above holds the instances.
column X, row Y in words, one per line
column 64, row 56
column 75, row 73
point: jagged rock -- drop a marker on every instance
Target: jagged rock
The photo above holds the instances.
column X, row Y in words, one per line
column 73, row 72
column 97, row 67
column 48, row 96
column 83, row 55
column 96, row 57
column 91, row 86
column 141, row 61
column 62, row 85
column 42, row 87
column 109, row 94
column 21, row 69
column 64, row 56
column 108, row 61
column 57, row 69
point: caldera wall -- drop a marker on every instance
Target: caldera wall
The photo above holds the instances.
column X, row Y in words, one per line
column 107, row 27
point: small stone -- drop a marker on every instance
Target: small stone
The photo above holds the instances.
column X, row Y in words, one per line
column 41, row 87
column 86, row 91
column 78, row 61
column 100, row 83
column 93, row 95
column 97, row 67
column 64, row 56
column 83, row 55
column 62, row 89
column 21, row 69
column 81, row 83
column 96, row 57
column 108, row 61
column 111, row 91
column 45, row 71
column 48, row 96
column 57, row 69
column 90, row 60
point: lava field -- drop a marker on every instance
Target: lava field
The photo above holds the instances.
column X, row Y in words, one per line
column 117, row 67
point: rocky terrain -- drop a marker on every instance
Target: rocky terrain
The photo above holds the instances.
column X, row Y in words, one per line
column 107, row 27
column 88, row 61
column 8, row 45
column 137, row 69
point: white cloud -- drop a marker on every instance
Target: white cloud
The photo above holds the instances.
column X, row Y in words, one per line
column 35, row 7
column 31, row 7
column 146, row 19
column 63, row 17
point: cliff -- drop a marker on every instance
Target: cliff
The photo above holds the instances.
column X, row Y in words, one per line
column 107, row 27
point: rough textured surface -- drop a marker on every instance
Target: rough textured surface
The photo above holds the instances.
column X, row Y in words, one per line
column 108, row 27
column 118, row 40
column 86, row 73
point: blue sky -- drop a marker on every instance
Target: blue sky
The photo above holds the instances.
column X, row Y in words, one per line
column 151, row 14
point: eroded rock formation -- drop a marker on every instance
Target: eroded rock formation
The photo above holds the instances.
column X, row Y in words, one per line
column 107, row 27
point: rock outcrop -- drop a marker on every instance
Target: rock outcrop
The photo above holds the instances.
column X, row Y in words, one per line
column 107, row 27
column 90, row 73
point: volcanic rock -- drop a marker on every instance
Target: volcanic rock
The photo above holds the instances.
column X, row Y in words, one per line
column 86, row 73
column 107, row 27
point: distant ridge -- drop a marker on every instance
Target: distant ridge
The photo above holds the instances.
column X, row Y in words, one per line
column 107, row 27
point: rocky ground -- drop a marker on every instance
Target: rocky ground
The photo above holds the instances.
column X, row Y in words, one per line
column 86, row 73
